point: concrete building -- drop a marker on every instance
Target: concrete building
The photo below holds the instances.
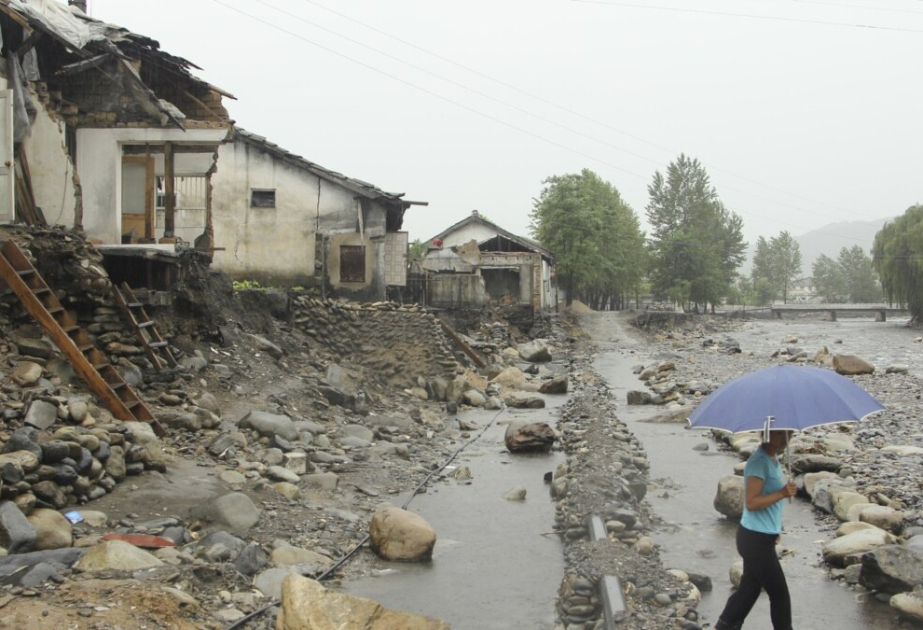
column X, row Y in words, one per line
column 101, row 130
column 283, row 220
column 476, row 262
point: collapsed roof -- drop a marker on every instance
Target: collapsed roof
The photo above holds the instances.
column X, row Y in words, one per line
column 57, row 45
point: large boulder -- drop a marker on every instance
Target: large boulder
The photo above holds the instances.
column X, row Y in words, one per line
column 118, row 555
column 729, row 500
column 526, row 436
column 891, row 569
column 839, row 550
column 557, row 385
column 234, row 511
column 270, row 424
column 17, row 535
column 305, row 560
column 884, row 517
column 851, row 365
column 843, row 501
column 520, row 400
column 636, row 397
column 909, row 604
column 812, row 478
column 396, row 534
column 26, row 374
column 306, row 605
column 816, row 463
column 534, row 351
column 53, row 530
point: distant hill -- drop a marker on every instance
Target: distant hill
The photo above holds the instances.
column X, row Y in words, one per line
column 831, row 238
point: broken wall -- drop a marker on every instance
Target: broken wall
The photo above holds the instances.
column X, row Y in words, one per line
column 277, row 244
column 456, row 291
column 51, row 169
column 99, row 162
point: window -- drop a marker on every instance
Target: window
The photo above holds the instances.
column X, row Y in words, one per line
column 352, row 263
column 262, row 198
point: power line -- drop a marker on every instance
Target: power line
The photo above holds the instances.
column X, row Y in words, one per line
column 857, row 6
column 430, row 92
column 485, row 115
column 515, row 107
column 579, row 115
column 747, row 16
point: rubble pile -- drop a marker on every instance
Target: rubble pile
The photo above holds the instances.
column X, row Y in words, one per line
column 606, row 475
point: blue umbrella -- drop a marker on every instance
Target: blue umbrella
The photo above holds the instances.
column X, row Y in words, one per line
column 784, row 397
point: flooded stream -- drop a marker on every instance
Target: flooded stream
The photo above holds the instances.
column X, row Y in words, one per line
column 496, row 566
column 697, row 537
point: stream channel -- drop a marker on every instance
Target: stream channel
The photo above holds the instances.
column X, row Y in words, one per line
column 699, row 539
column 496, row 566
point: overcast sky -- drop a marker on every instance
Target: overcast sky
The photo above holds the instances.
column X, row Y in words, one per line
column 801, row 117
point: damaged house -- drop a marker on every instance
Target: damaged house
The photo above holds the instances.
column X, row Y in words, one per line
column 283, row 220
column 108, row 133
column 105, row 132
column 475, row 263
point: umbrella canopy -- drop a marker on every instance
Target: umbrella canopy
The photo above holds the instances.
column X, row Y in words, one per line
column 795, row 397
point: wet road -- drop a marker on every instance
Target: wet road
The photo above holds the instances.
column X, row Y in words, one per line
column 495, row 565
column 698, row 538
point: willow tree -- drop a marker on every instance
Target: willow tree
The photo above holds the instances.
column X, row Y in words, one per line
column 594, row 234
column 897, row 255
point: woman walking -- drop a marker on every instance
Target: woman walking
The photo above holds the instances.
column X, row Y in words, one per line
column 765, row 487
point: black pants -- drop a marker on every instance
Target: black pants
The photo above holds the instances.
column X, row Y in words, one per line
column 761, row 571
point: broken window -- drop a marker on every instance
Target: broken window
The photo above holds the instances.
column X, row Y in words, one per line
column 352, row 263
column 262, row 198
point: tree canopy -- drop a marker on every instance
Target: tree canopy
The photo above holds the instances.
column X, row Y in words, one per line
column 897, row 255
column 776, row 265
column 595, row 235
column 696, row 243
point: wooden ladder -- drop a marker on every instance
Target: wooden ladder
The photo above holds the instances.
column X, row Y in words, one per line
column 156, row 349
column 91, row 364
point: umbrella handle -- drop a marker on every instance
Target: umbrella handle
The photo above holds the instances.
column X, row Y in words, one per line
column 788, row 466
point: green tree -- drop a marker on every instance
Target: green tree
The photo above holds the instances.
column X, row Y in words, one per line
column 696, row 244
column 595, row 235
column 417, row 250
column 828, row 279
column 776, row 264
column 860, row 276
column 786, row 262
column 897, row 255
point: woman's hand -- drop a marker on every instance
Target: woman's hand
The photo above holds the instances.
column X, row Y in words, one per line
column 789, row 490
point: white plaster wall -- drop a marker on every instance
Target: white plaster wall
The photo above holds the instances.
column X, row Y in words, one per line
column 476, row 231
column 51, row 169
column 99, row 163
column 279, row 243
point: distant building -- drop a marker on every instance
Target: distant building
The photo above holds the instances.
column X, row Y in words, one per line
column 802, row 290
column 480, row 263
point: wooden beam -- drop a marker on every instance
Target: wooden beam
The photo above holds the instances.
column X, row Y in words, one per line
column 170, row 203
column 29, row 44
column 203, row 105
column 478, row 361
column 146, row 149
column 80, row 66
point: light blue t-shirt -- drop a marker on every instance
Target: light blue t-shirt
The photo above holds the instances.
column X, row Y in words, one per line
column 769, row 519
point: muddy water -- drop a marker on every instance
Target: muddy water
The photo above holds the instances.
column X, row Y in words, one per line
column 699, row 539
column 495, row 565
